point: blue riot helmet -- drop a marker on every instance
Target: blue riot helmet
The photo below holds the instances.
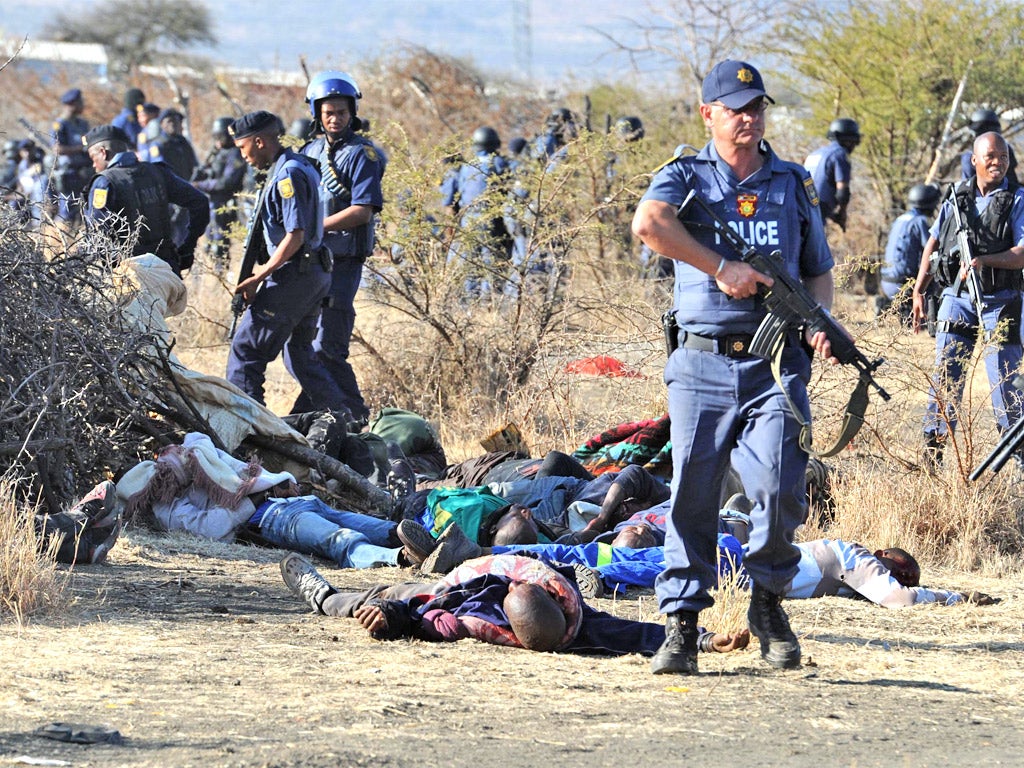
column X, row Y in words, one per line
column 486, row 139
column 332, row 84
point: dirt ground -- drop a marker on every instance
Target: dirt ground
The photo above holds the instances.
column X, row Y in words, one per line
column 198, row 655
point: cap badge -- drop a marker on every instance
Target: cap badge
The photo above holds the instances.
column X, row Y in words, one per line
column 745, row 75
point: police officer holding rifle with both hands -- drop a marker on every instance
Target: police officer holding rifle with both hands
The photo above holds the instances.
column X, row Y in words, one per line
column 724, row 403
column 285, row 283
column 975, row 253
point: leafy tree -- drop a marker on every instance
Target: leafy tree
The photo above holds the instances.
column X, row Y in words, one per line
column 133, row 31
column 894, row 66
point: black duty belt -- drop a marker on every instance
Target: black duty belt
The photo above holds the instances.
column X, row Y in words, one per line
column 730, row 345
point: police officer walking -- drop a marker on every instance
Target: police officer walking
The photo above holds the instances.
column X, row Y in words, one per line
column 129, row 199
column 725, row 404
column 907, row 239
column 221, row 177
column 71, row 170
column 483, row 241
column 829, row 166
column 992, row 208
column 351, row 168
column 295, row 277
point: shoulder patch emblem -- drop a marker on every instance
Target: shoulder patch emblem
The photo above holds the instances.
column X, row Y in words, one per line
column 154, row 151
column 371, row 153
column 812, row 192
column 56, row 125
column 99, row 197
column 284, row 186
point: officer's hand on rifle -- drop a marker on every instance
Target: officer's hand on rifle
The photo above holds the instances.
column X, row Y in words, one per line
column 819, row 343
column 739, row 280
column 248, row 287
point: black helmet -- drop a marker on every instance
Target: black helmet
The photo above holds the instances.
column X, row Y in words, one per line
column 219, row 129
column 516, row 145
column 301, row 128
column 562, row 124
column 844, row 129
column 924, row 196
column 486, row 139
column 629, row 128
column 983, row 121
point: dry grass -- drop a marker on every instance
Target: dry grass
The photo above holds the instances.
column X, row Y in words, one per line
column 29, row 579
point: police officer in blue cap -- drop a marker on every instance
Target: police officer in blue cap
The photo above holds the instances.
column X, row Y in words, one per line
column 71, row 170
column 130, row 200
column 284, row 294
column 830, row 168
column 725, row 405
column 351, row 167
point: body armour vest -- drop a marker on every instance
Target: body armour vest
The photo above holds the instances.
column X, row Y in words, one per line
column 336, row 195
column 140, row 196
column 988, row 232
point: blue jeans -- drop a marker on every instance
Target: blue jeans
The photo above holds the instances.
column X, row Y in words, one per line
column 730, row 411
column 307, row 525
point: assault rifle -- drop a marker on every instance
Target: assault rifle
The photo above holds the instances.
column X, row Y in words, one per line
column 790, row 306
column 962, row 250
column 1008, row 445
column 253, row 252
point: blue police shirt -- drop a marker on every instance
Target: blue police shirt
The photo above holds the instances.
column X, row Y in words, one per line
column 68, row 131
column 127, row 122
column 292, row 201
column 907, row 238
column 773, row 209
column 351, row 177
column 828, row 165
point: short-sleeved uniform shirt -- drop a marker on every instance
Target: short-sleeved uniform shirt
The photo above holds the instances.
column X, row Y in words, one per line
column 773, row 209
column 828, row 166
column 292, row 201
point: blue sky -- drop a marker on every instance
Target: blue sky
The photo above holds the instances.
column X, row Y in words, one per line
column 345, row 32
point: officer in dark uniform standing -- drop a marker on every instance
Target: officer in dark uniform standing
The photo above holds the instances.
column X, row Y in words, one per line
column 71, row 170
column 221, row 177
column 128, row 118
column 725, row 404
column 285, row 292
column 986, row 121
column 128, row 197
column 829, row 166
column 171, row 147
column 483, row 240
column 559, row 129
column 907, row 238
column 351, row 168
column 992, row 208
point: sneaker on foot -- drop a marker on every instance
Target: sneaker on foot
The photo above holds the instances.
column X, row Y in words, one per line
column 588, row 580
column 417, row 543
column 453, row 549
column 678, row 654
column 303, row 579
column 770, row 625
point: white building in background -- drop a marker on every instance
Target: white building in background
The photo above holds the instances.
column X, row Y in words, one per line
column 48, row 58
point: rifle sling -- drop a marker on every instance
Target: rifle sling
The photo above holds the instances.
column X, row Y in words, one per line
column 853, row 418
